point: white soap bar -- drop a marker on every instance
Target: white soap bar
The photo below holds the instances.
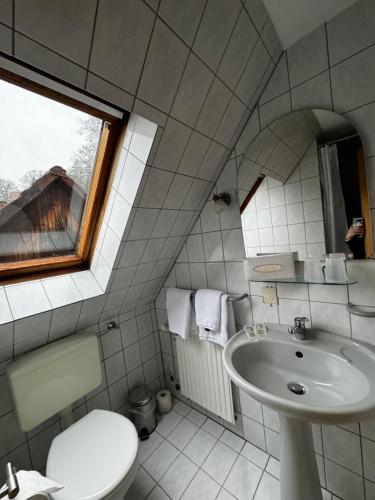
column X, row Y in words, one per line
column 249, row 330
column 260, row 329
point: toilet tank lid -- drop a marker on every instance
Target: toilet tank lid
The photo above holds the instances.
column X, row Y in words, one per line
column 93, row 456
column 48, row 354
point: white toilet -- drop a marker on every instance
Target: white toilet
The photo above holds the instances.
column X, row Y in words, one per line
column 95, row 457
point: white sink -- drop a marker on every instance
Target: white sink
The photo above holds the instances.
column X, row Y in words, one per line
column 333, row 379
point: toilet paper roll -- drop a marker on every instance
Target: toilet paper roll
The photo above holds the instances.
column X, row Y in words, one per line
column 34, row 486
column 164, row 401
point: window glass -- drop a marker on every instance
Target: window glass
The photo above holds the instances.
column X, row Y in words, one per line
column 47, row 159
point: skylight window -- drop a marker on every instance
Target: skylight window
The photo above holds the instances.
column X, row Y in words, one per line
column 54, row 167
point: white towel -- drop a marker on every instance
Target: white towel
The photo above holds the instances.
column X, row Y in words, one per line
column 227, row 325
column 208, row 308
column 179, row 311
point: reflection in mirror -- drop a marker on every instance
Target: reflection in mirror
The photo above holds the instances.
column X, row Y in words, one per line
column 302, row 188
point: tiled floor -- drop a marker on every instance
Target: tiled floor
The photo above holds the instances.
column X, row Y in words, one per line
column 192, row 457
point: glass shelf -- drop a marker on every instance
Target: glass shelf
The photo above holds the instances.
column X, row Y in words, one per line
column 301, row 279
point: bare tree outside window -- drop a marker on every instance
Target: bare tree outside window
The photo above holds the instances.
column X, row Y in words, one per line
column 29, row 178
column 7, row 188
column 84, row 158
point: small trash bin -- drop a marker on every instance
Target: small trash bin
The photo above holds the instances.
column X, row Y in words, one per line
column 142, row 408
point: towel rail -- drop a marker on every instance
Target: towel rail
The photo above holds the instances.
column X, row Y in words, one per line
column 237, row 299
column 231, row 299
column 359, row 311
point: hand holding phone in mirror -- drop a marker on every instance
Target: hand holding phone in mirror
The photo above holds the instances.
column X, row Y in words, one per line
column 356, row 229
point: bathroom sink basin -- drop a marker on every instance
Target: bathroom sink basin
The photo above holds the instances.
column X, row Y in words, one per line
column 326, row 379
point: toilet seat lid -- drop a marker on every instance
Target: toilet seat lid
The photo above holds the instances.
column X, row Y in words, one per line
column 93, row 456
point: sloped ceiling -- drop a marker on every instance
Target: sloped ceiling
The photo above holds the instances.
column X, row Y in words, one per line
column 293, row 19
column 195, row 68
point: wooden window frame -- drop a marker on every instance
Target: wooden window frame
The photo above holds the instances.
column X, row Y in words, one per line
column 113, row 129
column 251, row 193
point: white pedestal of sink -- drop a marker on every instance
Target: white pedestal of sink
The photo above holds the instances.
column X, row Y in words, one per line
column 299, row 476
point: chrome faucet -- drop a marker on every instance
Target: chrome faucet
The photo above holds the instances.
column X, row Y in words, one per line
column 299, row 328
column 11, row 488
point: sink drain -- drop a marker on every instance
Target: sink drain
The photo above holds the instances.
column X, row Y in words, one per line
column 297, row 388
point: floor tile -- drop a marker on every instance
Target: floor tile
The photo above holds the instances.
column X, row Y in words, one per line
column 219, row 462
column 158, row 494
column 243, row 479
column 232, row 440
column 146, row 448
column 192, row 457
column 224, row 495
column 168, row 423
column 182, row 408
column 178, row 477
column 213, row 428
column 255, row 455
column 269, row 488
column 182, row 434
column 141, row 486
column 157, row 464
column 202, row 487
column 200, row 446
column 196, row 417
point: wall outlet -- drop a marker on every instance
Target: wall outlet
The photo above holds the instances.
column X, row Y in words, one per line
column 269, row 295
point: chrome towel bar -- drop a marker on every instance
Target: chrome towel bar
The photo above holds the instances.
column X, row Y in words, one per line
column 231, row 299
column 359, row 311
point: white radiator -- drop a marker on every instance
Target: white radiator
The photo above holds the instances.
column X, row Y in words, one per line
column 203, row 378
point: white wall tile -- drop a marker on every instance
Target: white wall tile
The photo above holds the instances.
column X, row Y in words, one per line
column 296, row 233
column 294, row 213
column 27, row 299
column 293, row 192
column 292, row 291
column 308, row 57
column 343, row 482
column 331, row 318
column 363, row 328
column 323, row 293
column 130, row 178
column 266, row 236
column 343, row 447
column 61, row 290
column 290, row 309
column 278, row 216
column 314, row 232
column 142, row 138
column 313, row 210
column 362, row 293
column 254, row 432
column 281, row 235
column 213, row 247
column 5, row 313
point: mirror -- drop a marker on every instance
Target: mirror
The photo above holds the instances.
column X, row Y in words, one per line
column 302, row 188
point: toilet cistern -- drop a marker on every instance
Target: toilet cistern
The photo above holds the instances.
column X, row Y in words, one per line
column 95, row 457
